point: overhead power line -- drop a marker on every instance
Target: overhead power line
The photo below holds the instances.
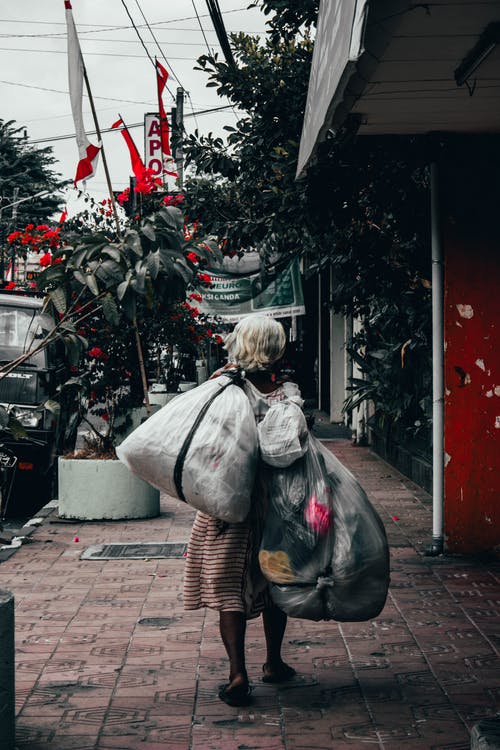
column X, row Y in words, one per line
column 95, row 54
column 171, row 70
column 109, row 27
column 143, row 44
column 109, row 41
column 201, row 27
column 52, row 138
column 63, row 91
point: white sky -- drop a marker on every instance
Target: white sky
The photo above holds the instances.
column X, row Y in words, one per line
column 34, row 82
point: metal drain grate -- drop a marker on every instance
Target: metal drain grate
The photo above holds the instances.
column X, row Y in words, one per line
column 143, row 551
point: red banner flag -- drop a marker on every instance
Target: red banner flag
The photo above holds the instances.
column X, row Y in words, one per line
column 161, row 82
column 138, row 167
column 88, row 153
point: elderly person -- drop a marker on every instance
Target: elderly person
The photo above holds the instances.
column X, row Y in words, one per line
column 222, row 569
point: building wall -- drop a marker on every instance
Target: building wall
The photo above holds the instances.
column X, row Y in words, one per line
column 472, row 371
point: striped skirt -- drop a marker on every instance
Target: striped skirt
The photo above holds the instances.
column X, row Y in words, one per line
column 222, row 569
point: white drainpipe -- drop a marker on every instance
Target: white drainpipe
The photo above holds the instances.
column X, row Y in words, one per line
column 438, row 370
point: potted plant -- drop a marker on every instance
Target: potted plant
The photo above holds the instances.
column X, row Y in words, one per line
column 127, row 283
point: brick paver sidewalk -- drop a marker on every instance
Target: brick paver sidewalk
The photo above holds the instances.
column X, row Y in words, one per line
column 108, row 660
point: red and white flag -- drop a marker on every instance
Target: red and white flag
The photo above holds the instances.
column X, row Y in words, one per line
column 88, row 153
column 161, row 82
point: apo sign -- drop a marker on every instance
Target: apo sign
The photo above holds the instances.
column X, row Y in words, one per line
column 152, row 149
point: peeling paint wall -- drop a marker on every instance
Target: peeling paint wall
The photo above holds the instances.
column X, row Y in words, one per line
column 472, row 388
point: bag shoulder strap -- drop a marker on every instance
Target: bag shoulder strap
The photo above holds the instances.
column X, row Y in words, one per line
column 236, row 378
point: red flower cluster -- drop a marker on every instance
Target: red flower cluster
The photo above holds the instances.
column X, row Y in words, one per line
column 97, row 353
column 173, row 200
column 46, row 260
column 123, row 197
column 36, row 237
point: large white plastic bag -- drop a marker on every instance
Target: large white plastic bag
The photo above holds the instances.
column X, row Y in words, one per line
column 324, row 547
column 283, row 433
column 219, row 467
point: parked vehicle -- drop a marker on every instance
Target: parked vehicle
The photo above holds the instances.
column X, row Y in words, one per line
column 29, row 393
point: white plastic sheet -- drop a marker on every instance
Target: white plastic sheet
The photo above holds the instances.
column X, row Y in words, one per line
column 218, row 472
column 283, row 433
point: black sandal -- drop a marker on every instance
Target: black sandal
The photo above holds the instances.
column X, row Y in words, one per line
column 241, row 695
column 283, row 673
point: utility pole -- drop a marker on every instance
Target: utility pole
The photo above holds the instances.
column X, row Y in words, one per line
column 179, row 128
column 14, row 217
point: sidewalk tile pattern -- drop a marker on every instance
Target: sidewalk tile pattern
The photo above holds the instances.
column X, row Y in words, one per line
column 108, row 660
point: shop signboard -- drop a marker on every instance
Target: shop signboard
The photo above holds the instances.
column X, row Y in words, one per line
column 233, row 296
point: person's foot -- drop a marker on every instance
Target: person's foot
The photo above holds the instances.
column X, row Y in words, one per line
column 237, row 692
column 279, row 672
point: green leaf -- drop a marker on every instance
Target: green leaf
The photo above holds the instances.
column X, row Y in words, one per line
column 129, row 306
column 53, row 406
column 133, row 242
column 16, row 429
column 148, row 230
column 153, row 263
column 110, row 310
column 58, row 297
column 173, row 217
column 73, row 349
column 92, row 284
column 112, row 252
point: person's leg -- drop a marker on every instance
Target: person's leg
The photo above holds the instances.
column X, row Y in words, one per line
column 274, row 668
column 232, row 627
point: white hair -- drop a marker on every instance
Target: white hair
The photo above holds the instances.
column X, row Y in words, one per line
column 256, row 342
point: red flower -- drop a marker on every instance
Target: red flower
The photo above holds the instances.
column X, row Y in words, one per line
column 97, row 353
column 10, row 285
column 13, row 236
column 218, row 339
column 45, row 260
column 123, row 197
column 209, row 333
column 192, row 257
column 197, row 297
column 205, row 278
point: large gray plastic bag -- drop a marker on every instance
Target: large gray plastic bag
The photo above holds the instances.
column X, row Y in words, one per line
column 327, row 558
column 217, row 473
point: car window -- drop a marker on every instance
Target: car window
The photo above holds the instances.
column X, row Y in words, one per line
column 19, row 330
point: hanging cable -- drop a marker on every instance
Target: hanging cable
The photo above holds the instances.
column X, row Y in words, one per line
column 142, row 42
column 158, row 44
column 61, row 91
column 114, row 130
column 202, row 29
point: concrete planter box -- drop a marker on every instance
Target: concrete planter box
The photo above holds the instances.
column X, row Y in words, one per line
column 161, row 398
column 96, row 489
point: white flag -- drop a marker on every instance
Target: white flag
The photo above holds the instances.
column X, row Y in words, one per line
column 88, row 153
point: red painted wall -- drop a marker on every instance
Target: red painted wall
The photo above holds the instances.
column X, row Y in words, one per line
column 472, row 386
